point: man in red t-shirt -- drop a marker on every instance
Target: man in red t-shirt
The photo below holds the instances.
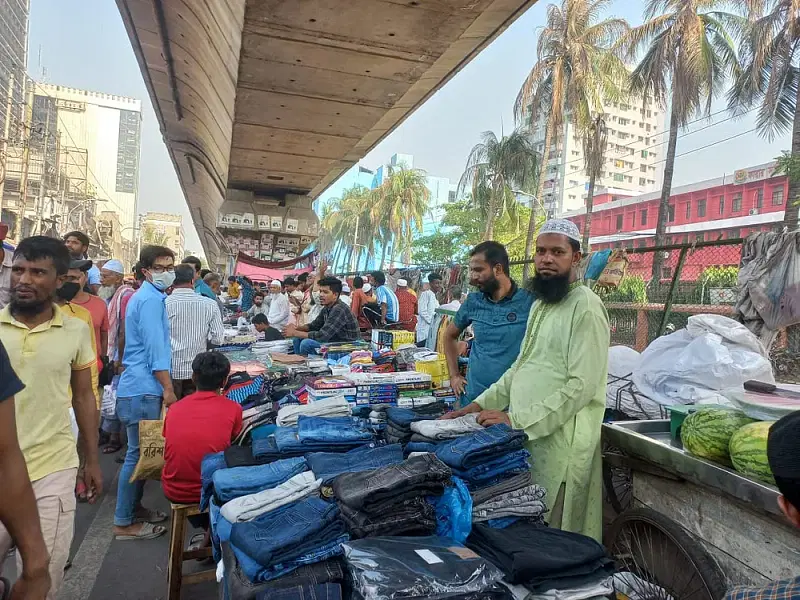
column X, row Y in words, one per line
column 201, row 423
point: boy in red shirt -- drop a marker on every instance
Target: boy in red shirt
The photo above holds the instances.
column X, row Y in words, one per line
column 201, row 423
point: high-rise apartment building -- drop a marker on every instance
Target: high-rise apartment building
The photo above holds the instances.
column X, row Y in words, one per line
column 13, row 61
column 164, row 229
column 99, row 137
column 633, row 158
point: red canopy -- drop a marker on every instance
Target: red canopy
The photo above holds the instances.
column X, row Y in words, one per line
column 261, row 270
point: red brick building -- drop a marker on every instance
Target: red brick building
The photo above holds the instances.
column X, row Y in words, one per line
column 732, row 206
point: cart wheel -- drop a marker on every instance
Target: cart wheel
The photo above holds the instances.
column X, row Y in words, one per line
column 618, row 483
column 669, row 562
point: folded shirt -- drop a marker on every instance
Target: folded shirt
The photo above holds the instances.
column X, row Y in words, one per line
column 247, row 508
column 335, row 406
column 449, row 428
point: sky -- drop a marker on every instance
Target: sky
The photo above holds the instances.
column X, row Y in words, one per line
column 83, row 44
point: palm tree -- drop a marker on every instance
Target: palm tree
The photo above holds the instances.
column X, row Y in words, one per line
column 574, row 73
column 398, row 207
column 594, row 156
column 151, row 236
column 494, row 169
column 770, row 78
column 688, row 54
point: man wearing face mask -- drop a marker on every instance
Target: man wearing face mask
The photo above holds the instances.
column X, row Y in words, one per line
column 77, row 243
column 78, row 270
column 556, row 389
column 143, row 386
column 497, row 312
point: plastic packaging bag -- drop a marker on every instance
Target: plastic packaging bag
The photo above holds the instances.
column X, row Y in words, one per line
column 454, row 512
column 693, row 365
column 391, row 568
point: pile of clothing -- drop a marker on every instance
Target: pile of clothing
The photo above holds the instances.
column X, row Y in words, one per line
column 391, row 500
column 545, row 561
column 426, row 435
column 257, row 422
column 335, row 406
column 399, row 420
column 327, row 466
column 508, row 501
column 314, row 434
column 486, row 457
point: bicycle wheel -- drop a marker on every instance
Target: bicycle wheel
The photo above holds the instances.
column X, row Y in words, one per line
column 618, row 484
column 669, row 563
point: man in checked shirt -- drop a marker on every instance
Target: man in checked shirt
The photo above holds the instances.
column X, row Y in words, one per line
column 783, row 451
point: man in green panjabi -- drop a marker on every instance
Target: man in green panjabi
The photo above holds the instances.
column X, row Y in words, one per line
column 555, row 390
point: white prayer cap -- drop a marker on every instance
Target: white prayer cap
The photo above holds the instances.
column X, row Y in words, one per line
column 367, row 287
column 275, row 283
column 402, row 283
column 346, row 288
column 114, row 266
column 562, row 226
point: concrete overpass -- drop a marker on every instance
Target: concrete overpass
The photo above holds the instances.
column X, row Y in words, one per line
column 272, row 100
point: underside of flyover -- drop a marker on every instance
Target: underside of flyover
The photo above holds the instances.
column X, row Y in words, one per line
column 270, row 101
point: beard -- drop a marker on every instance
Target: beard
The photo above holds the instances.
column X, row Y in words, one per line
column 106, row 292
column 490, row 286
column 549, row 290
column 29, row 308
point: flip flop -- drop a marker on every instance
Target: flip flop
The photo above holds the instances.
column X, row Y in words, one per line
column 112, row 448
column 147, row 532
column 151, row 516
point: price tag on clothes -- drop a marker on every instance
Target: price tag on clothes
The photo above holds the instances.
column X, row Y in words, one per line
column 429, row 557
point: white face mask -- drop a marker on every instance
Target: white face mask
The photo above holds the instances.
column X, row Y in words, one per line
column 162, row 281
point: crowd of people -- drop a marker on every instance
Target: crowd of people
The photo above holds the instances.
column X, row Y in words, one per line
column 80, row 335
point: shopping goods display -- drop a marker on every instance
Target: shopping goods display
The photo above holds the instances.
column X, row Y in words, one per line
column 748, row 451
column 707, row 432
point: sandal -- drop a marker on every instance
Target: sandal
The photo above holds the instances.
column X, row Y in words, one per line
column 112, row 448
column 150, row 516
column 81, row 491
column 148, row 531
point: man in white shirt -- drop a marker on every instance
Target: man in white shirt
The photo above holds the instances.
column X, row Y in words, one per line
column 260, row 306
column 345, row 297
column 426, row 305
column 455, row 294
column 278, row 315
column 194, row 323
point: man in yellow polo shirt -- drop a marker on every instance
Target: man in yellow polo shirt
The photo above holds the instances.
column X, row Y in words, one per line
column 50, row 353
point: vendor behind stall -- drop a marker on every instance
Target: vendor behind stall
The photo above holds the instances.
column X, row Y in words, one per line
column 783, row 452
column 334, row 324
column 555, row 391
column 264, row 330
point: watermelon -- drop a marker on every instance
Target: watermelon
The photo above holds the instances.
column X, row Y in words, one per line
column 748, row 451
column 707, row 432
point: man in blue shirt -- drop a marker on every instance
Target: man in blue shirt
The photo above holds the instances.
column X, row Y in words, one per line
column 387, row 300
column 498, row 313
column 144, row 383
column 200, row 286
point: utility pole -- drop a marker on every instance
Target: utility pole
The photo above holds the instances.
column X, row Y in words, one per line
column 6, row 135
column 26, row 155
column 38, row 207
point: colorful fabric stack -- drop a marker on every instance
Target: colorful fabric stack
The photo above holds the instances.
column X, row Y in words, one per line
column 327, row 387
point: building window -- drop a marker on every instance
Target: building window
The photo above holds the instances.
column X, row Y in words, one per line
column 737, row 202
column 701, row 208
column 641, row 243
column 451, row 196
column 619, row 177
column 759, row 199
column 734, row 234
column 643, row 168
column 619, row 222
column 671, row 213
column 777, row 197
column 633, row 220
column 688, row 210
column 643, row 217
column 644, row 153
column 701, row 237
column 642, row 181
column 721, row 205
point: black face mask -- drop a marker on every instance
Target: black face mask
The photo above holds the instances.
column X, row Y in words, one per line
column 68, row 290
column 551, row 289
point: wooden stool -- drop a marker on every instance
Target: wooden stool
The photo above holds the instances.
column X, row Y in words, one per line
column 177, row 555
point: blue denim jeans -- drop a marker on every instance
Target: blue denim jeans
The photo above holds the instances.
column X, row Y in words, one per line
column 289, row 532
column 404, row 417
column 130, row 411
column 325, row 591
column 305, row 346
column 289, row 443
column 476, row 448
column 241, row 481
column 516, row 461
column 256, row 573
column 328, row 465
column 316, row 430
column 211, row 464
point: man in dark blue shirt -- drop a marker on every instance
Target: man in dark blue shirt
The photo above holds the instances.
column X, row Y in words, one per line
column 498, row 313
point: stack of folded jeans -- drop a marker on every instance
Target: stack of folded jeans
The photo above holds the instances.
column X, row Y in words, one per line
column 486, row 457
column 280, row 541
column 327, row 466
column 335, row 406
column 542, row 558
column 421, row 443
column 242, row 481
column 399, row 420
column 426, row 435
column 322, row 434
column 525, row 503
column 391, row 500
column 252, row 506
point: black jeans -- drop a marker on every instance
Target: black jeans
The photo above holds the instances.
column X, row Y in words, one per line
column 411, row 516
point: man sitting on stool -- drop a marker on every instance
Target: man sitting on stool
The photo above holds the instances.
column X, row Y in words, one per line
column 261, row 325
column 334, row 324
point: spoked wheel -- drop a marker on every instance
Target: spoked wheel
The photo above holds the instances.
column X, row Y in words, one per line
column 667, row 562
column 617, row 481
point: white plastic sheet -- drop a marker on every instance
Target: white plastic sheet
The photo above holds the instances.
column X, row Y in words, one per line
column 693, row 365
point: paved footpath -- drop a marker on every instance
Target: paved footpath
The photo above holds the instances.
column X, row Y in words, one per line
column 106, row 569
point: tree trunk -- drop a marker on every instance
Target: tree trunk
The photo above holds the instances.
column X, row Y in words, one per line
column 349, row 261
column 384, row 244
column 548, row 138
column 666, row 191
column 587, row 226
column 793, row 201
column 488, row 234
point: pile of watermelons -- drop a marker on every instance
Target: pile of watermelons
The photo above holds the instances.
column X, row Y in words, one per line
column 730, row 438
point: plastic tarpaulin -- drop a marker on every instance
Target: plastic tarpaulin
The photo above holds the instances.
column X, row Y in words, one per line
column 261, row 274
